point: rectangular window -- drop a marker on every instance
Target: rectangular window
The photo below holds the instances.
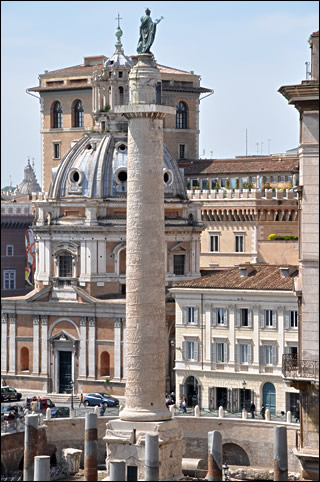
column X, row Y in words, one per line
column 9, row 250
column 268, row 318
column 190, row 350
column 220, row 353
column 266, row 179
column 120, row 75
column 287, row 178
column 244, row 179
column 221, row 316
column 204, row 183
column 252, row 179
column 214, row 243
column 293, row 319
column 182, row 151
column 243, row 353
column 194, row 183
column 213, row 183
column 223, row 182
column 274, row 178
column 65, row 266
column 191, row 314
column 268, row 354
column 233, row 183
column 281, row 178
column 178, row 264
column 56, row 150
column 9, row 279
column 244, row 317
column 239, row 243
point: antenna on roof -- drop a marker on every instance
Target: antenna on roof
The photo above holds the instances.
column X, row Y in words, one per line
column 261, row 146
column 257, row 143
column 211, row 154
column 269, row 140
column 246, row 142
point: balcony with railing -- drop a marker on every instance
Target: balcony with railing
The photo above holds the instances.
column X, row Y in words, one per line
column 295, row 369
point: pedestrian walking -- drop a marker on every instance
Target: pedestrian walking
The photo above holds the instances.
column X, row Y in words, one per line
column 102, row 409
column 252, row 409
column 184, row 405
column 81, row 400
column 262, row 411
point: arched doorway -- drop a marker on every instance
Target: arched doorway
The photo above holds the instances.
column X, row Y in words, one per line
column 192, row 391
column 269, row 397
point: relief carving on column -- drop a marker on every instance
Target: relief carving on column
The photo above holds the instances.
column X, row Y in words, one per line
column 4, row 317
column 12, row 318
column 44, row 320
column 83, row 321
column 36, row 319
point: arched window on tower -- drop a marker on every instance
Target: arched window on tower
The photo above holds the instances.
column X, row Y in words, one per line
column 78, row 114
column 181, row 116
column 104, row 364
column 57, row 115
column 24, row 359
column 120, row 95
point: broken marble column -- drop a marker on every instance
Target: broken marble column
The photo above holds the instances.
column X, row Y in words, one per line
column 214, row 456
column 280, row 453
column 42, row 468
column 90, row 447
column 31, row 435
column 152, row 457
column 70, row 459
column 117, row 470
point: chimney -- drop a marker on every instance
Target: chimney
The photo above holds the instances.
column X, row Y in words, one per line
column 314, row 44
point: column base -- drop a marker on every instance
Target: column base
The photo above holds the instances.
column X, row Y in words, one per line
column 125, row 440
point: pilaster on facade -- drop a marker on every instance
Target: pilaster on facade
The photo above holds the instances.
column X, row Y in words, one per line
column 83, row 348
column 12, row 343
column 117, row 348
column 36, row 342
column 92, row 351
column 44, row 345
column 4, row 342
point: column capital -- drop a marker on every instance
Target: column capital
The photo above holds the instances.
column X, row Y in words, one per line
column 117, row 322
column 4, row 317
column 44, row 319
column 12, row 318
column 36, row 319
column 92, row 321
column 83, row 321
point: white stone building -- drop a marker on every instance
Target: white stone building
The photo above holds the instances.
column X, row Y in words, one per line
column 233, row 325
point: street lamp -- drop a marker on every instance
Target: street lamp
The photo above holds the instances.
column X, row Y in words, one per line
column 244, row 384
column 225, row 469
column 71, row 383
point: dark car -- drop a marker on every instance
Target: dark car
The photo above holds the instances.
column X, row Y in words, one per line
column 100, row 398
column 9, row 393
column 60, row 412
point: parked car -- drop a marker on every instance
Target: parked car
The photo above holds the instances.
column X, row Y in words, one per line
column 9, row 394
column 100, row 398
column 60, row 412
column 11, row 412
column 44, row 402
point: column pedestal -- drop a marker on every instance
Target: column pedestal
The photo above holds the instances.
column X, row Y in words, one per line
column 127, row 439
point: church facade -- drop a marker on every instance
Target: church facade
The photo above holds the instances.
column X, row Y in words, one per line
column 69, row 333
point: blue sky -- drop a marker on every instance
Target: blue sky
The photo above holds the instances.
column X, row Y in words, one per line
column 244, row 51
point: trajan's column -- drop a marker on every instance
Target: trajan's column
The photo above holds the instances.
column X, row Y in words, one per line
column 145, row 410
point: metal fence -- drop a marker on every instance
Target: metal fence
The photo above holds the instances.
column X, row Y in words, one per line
column 293, row 367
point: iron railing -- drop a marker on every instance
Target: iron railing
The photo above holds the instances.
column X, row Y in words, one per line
column 292, row 367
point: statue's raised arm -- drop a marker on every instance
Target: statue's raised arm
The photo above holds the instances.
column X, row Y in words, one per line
column 147, row 33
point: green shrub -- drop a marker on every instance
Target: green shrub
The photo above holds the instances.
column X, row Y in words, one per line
column 279, row 237
column 271, row 237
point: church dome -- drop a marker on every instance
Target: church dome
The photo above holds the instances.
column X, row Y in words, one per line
column 29, row 183
column 96, row 167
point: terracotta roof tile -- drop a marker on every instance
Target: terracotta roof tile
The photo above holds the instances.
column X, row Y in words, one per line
column 263, row 277
column 246, row 165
